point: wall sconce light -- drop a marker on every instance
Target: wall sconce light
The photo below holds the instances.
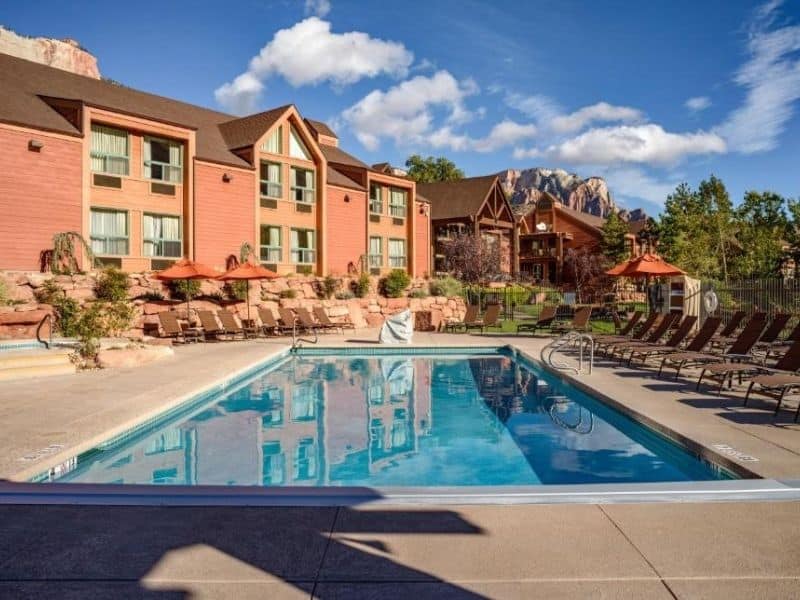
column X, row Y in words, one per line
column 35, row 145
column 346, row 198
column 227, row 178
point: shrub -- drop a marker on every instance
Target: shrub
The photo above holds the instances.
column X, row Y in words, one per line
column 152, row 296
column 48, row 292
column 99, row 319
column 3, row 293
column 329, row 286
column 344, row 295
column 184, row 289
column 290, row 293
column 395, row 283
column 362, row 285
column 112, row 285
column 236, row 290
column 419, row 293
column 65, row 309
column 446, row 286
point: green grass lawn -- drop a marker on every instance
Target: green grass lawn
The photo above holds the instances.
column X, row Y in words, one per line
column 598, row 326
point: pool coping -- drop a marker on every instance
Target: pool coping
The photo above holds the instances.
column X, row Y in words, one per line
column 20, row 490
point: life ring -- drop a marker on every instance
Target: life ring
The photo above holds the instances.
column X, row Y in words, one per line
column 710, row 301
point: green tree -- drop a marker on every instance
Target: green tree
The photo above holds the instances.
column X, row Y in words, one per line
column 762, row 230
column 721, row 225
column 613, row 242
column 431, row 169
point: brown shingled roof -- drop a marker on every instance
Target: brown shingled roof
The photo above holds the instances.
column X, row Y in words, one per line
column 340, row 179
column 583, row 217
column 461, row 198
column 334, row 154
column 239, row 133
column 321, row 128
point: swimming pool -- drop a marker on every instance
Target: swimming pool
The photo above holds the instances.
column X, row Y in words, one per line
column 391, row 419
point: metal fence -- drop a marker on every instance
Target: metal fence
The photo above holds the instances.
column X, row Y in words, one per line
column 772, row 296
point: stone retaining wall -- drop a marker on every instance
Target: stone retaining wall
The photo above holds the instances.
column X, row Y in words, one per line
column 19, row 319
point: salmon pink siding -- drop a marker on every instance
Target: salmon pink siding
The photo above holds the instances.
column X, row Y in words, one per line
column 224, row 213
column 40, row 194
column 346, row 227
column 422, row 245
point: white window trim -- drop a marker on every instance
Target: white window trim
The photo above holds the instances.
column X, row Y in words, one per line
column 378, row 200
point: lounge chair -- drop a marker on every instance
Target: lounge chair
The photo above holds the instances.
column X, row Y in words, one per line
column 778, row 348
column 722, row 341
column 288, row 319
column 491, row 318
column 627, row 328
column 210, row 325
column 772, row 333
column 732, row 325
column 644, row 349
column 172, row 329
column 786, row 365
column 308, row 322
column 270, row 325
column 655, row 336
column 579, row 322
column 698, row 343
column 604, row 342
column 233, row 328
column 739, row 350
column 543, row 321
column 326, row 321
column 775, row 384
column 470, row 316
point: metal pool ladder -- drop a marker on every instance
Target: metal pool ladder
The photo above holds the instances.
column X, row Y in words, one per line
column 297, row 342
column 548, row 353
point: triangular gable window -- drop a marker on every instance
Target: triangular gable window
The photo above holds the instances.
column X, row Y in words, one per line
column 273, row 142
column 297, row 149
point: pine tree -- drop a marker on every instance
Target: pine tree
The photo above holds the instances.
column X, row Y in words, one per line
column 613, row 242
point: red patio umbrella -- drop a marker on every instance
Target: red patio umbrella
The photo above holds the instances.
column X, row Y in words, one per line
column 246, row 272
column 187, row 269
column 647, row 265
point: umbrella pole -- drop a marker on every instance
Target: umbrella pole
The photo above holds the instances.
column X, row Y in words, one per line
column 247, row 296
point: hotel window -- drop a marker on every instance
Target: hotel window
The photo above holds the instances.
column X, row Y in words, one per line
column 274, row 143
column 162, row 236
column 271, row 250
column 303, row 246
column 304, row 402
column 305, row 459
column 297, row 149
column 397, row 253
column 273, row 469
column 109, row 152
column 109, row 232
column 375, row 199
column 397, row 203
column 375, row 252
column 163, row 160
column 271, row 180
column 302, row 181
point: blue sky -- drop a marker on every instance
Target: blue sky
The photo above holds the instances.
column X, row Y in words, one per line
column 646, row 94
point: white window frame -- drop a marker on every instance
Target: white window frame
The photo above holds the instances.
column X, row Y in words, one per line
column 396, row 210
column 105, row 239
column 398, row 262
column 160, row 241
column 376, row 202
column 375, row 260
column 269, row 248
column 127, row 157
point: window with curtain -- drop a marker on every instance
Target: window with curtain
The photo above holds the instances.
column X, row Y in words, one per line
column 397, row 203
column 273, row 471
column 302, row 181
column 161, row 235
column 109, row 151
column 305, row 459
column 304, row 402
column 171, row 439
column 375, row 252
column 163, row 160
column 109, row 232
column 297, row 149
column 397, row 253
column 375, row 198
column 375, row 393
column 274, row 143
column 303, row 246
column 271, row 250
column 271, row 180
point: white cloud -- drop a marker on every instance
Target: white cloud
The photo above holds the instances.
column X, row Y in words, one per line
column 542, row 109
column 525, row 153
column 600, row 112
column 698, row 103
column 632, row 184
column 308, row 53
column 404, row 113
column 771, row 77
column 505, row 133
column 319, row 8
column 648, row 144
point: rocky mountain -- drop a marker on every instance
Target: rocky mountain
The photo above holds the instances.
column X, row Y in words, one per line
column 62, row 54
column 590, row 195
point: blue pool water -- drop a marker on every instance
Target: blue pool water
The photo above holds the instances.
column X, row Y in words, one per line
column 394, row 420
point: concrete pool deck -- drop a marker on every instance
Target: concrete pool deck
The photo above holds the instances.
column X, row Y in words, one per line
column 695, row 550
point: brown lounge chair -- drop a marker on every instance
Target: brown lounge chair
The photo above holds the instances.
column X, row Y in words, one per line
column 491, row 317
column 776, row 385
column 655, row 336
column 778, row 348
column 697, row 344
column 580, row 321
column 288, row 319
column 172, row 329
column 270, row 325
column 644, row 349
column 739, row 350
column 326, row 321
column 210, row 326
column 772, row 333
column 309, row 323
column 786, row 365
column 232, row 326
column 543, row 321
column 605, row 342
column 470, row 316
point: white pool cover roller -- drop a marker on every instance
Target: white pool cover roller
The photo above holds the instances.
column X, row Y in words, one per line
column 397, row 329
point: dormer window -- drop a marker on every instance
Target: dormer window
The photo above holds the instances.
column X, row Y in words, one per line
column 297, row 149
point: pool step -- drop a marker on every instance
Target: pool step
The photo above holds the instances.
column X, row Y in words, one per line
column 23, row 364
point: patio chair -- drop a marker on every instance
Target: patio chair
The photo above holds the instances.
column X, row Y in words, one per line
column 788, row 364
column 470, row 316
column 308, row 322
column 776, row 385
column 269, row 323
column 233, row 328
column 171, row 328
column 326, row 321
column 645, row 349
column 543, row 321
column 780, row 347
column 733, row 324
column 739, row 350
column 491, row 318
column 580, row 321
column 698, row 343
column 604, row 342
column 288, row 319
column 210, row 325
column 772, row 333
column 655, row 336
